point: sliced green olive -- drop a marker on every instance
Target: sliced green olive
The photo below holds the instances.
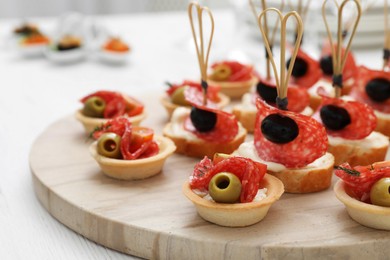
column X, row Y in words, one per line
column 225, row 187
column 380, row 192
column 221, row 73
column 94, row 107
column 108, row 145
column 178, row 97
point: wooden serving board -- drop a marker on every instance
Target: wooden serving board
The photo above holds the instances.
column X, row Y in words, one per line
column 152, row 219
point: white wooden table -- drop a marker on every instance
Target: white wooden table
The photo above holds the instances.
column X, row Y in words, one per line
column 35, row 93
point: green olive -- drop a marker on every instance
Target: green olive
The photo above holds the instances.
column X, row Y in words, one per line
column 94, row 107
column 108, row 145
column 225, row 187
column 221, row 73
column 178, row 97
column 380, row 192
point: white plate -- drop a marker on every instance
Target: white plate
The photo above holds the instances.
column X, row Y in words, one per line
column 112, row 57
column 68, row 56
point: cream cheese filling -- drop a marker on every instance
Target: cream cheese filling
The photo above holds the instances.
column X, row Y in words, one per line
column 248, row 150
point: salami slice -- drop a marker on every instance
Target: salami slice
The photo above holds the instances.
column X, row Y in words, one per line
column 117, row 126
column 226, row 127
column 212, row 91
column 313, row 73
column 249, row 173
column 362, row 117
column 360, row 179
column 240, row 72
column 123, row 127
column 310, row 144
column 298, row 98
column 359, row 92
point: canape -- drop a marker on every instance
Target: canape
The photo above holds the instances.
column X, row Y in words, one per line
column 128, row 152
column 227, row 193
column 101, row 106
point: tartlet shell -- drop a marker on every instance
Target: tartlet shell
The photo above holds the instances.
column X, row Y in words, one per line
column 235, row 89
column 90, row 123
column 135, row 169
column 365, row 214
column 238, row 214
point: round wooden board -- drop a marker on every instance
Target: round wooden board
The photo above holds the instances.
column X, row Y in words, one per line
column 152, row 219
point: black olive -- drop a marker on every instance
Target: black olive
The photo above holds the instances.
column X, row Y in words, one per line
column 61, row 47
column 203, row 120
column 334, row 117
column 279, row 129
column 300, row 67
column 267, row 92
column 378, row 89
column 327, row 65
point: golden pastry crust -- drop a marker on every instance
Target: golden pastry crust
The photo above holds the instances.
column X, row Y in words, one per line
column 315, row 100
column 306, row 180
column 246, row 117
column 199, row 148
column 91, row 123
column 235, row 89
column 130, row 169
column 383, row 124
column 237, row 214
column 356, row 155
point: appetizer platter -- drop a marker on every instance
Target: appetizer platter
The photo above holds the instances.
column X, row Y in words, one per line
column 195, row 185
column 152, row 218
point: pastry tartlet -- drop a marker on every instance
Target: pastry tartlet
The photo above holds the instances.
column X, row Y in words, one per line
column 107, row 105
column 243, row 208
column 234, row 78
column 127, row 152
column 203, row 130
column 174, row 96
column 355, row 191
column 135, row 169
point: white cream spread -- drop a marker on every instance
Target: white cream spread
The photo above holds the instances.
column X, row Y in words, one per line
column 247, row 105
column 321, row 83
column 248, row 150
column 177, row 121
column 382, row 114
column 374, row 140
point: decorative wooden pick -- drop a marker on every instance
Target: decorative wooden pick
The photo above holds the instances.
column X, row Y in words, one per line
column 339, row 58
column 202, row 53
column 283, row 78
column 272, row 40
column 302, row 10
column 386, row 47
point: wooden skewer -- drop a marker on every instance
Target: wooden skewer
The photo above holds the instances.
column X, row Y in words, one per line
column 386, row 47
column 282, row 79
column 202, row 54
column 272, row 40
column 337, row 58
column 349, row 23
column 302, row 10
